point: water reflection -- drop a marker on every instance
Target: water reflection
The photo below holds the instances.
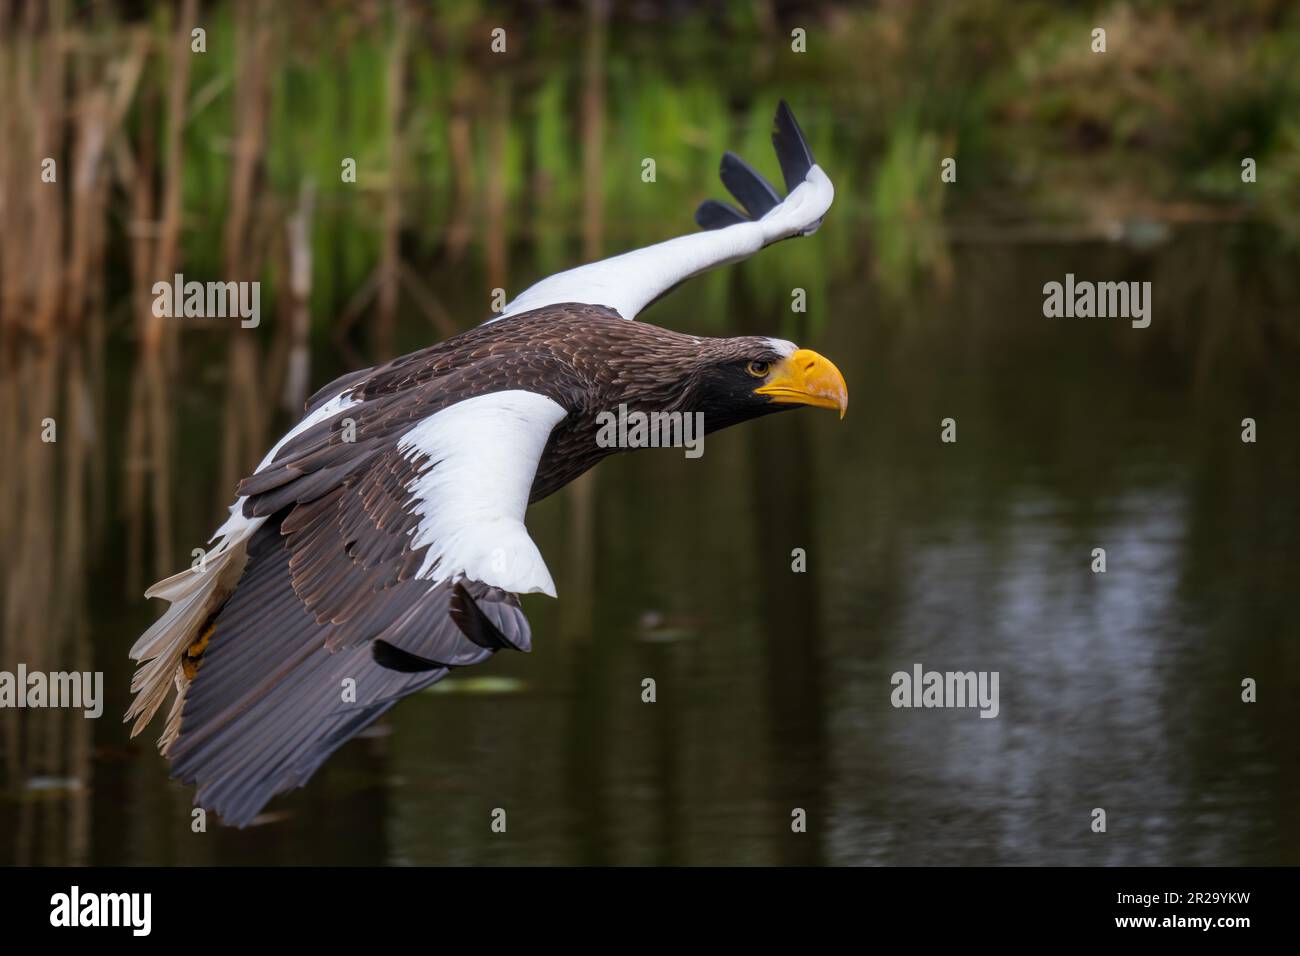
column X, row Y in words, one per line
column 1118, row 690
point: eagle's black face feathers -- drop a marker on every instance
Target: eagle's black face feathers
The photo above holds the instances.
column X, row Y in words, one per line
column 726, row 392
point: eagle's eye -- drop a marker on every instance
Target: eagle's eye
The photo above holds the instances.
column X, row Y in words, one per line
column 758, row 369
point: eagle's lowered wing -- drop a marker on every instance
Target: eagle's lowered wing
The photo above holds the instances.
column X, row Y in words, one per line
column 371, row 568
column 629, row 282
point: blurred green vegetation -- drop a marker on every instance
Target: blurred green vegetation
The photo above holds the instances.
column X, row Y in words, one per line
column 1045, row 131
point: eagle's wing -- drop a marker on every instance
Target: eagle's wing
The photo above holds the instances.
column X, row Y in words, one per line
column 370, row 567
column 629, row 282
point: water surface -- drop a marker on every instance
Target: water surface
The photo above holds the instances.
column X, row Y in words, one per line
column 1118, row 690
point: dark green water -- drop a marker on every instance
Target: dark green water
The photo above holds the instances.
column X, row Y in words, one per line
column 1118, row 690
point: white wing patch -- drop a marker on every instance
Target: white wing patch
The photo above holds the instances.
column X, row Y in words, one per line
column 471, row 496
column 629, row 282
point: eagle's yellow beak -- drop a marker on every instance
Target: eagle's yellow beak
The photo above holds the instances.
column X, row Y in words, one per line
column 806, row 378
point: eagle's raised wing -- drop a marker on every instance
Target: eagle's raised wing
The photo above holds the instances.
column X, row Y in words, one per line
column 378, row 546
column 629, row 282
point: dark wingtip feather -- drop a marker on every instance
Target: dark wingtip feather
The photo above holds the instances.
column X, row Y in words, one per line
column 756, row 194
column 395, row 659
column 713, row 214
column 476, row 625
column 792, row 149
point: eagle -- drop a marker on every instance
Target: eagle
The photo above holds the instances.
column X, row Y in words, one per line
column 380, row 544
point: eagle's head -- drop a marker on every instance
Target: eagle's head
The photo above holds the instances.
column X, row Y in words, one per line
column 737, row 379
column 727, row 380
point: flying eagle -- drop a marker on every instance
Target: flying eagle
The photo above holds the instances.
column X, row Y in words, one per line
column 381, row 542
